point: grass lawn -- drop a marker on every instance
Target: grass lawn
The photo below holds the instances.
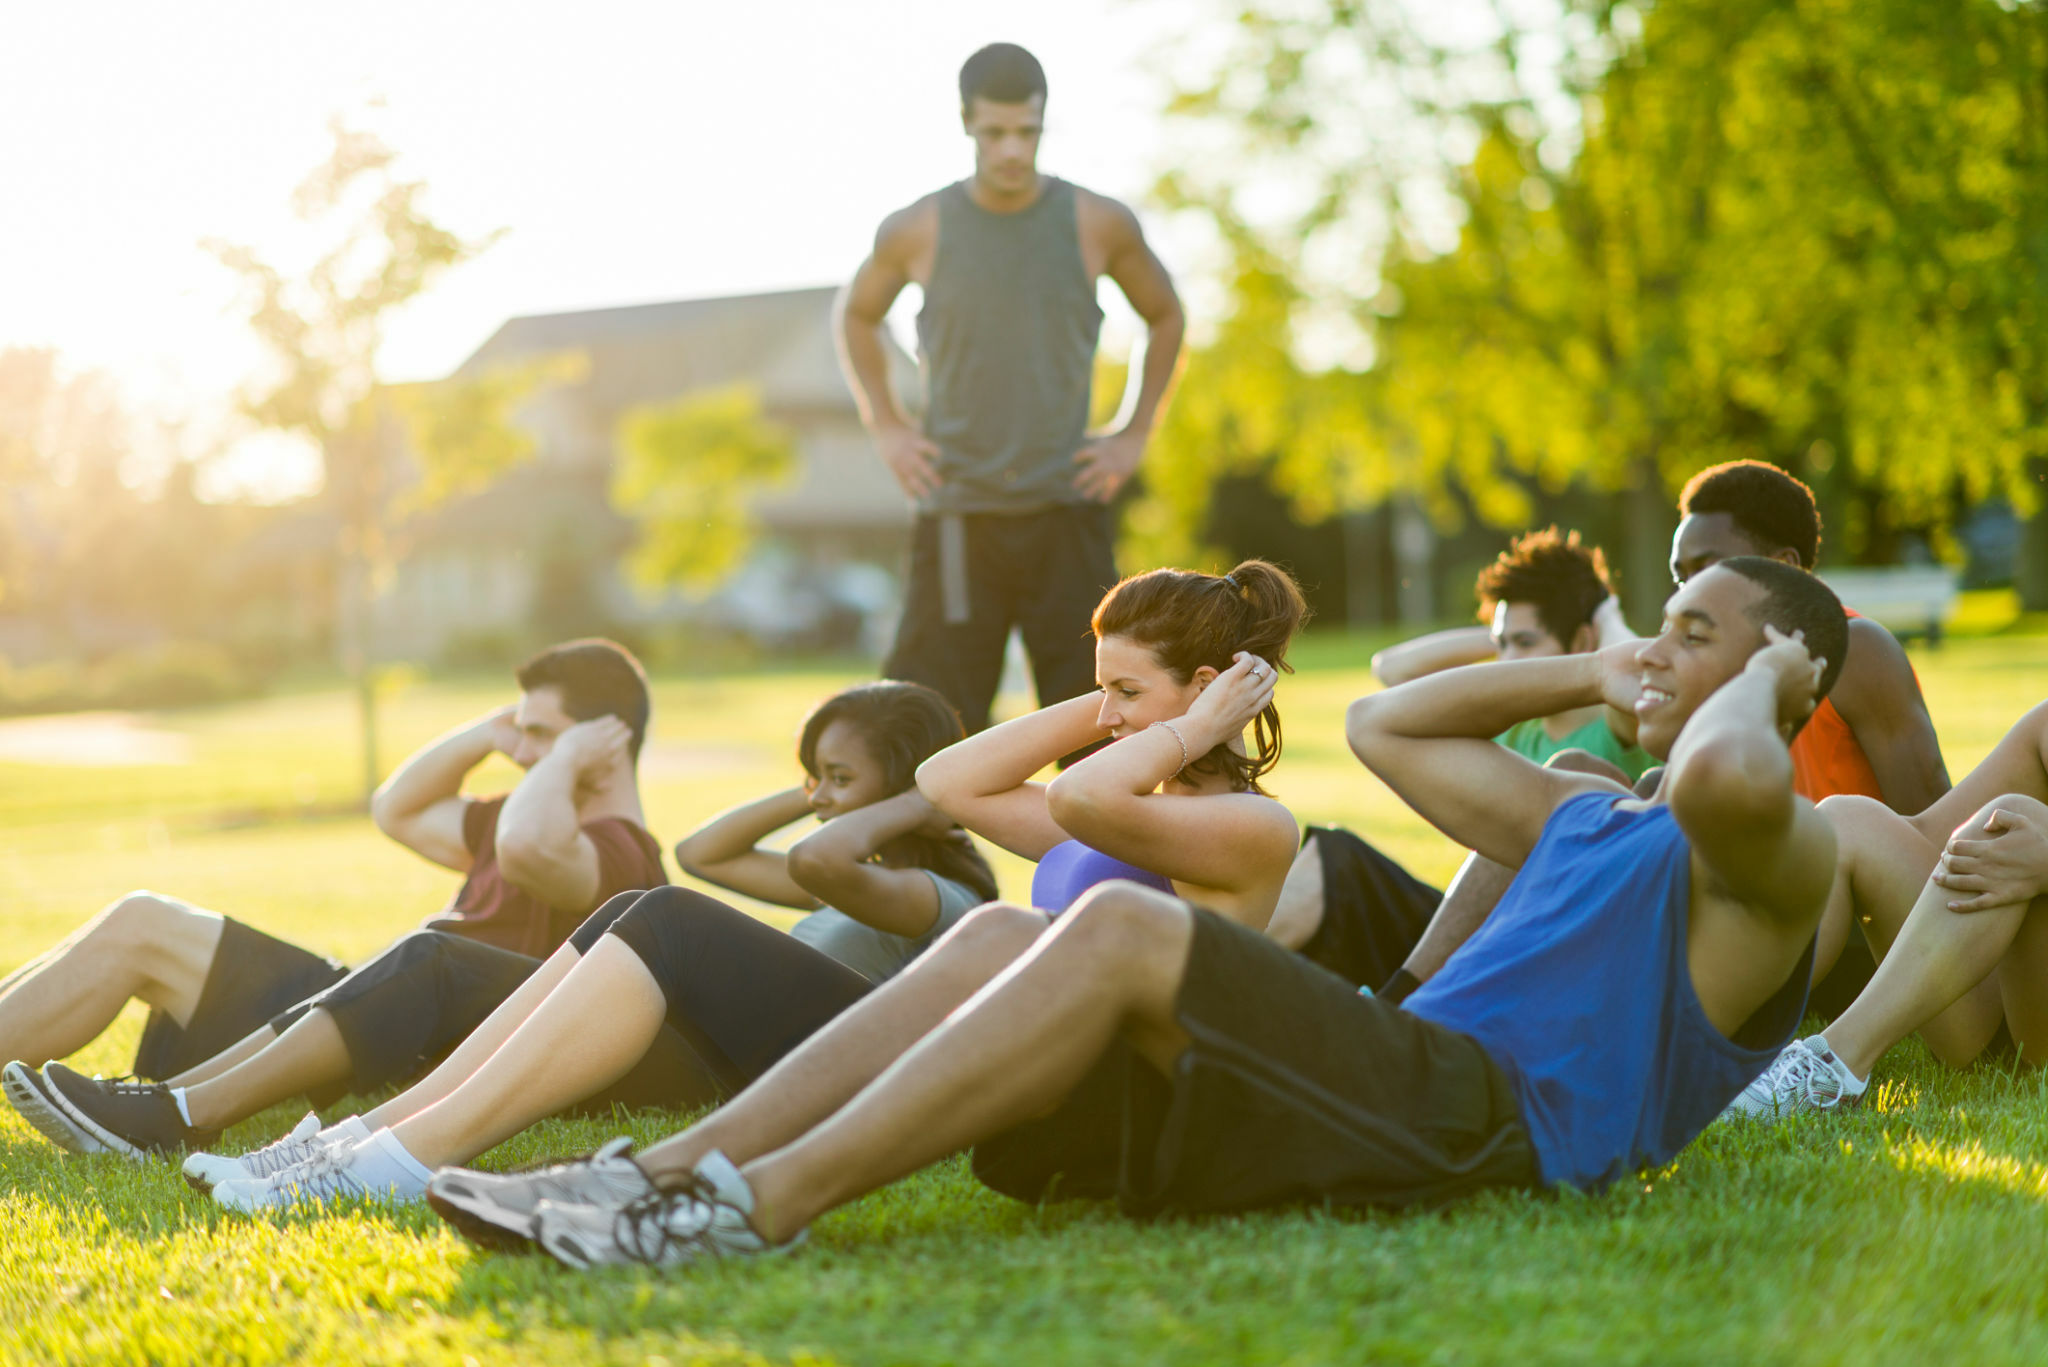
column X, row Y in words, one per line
column 1907, row 1232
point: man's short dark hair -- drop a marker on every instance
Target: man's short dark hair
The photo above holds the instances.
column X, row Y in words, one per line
column 1774, row 510
column 1002, row 73
column 1797, row 601
column 1565, row 581
column 596, row 678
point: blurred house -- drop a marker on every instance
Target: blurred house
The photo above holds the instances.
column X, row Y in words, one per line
column 536, row 554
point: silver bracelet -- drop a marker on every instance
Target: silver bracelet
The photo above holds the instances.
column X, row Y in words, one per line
column 1174, row 731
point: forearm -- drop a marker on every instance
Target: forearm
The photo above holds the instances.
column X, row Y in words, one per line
column 433, row 774
column 1007, row 756
column 1469, row 900
column 539, row 818
column 734, row 834
column 1734, row 737
column 1478, row 701
column 867, row 372
column 1432, row 654
column 1163, row 337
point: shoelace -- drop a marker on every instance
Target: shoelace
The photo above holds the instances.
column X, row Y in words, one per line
column 127, row 1085
column 322, row 1176
column 284, row 1153
column 1806, row 1077
column 641, row 1228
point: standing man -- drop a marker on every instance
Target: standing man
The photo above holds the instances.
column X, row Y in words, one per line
column 1013, row 526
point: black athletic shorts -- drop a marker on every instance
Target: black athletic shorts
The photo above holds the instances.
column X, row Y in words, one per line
column 1295, row 1089
column 1373, row 910
column 740, row 993
column 252, row 978
column 406, row 1009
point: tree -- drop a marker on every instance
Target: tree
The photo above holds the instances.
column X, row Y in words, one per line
column 322, row 327
column 687, row 475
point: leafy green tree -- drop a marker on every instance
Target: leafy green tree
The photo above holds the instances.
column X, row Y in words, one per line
column 688, row 472
column 322, row 327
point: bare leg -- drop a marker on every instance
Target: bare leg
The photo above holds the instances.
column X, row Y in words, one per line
column 1112, row 966
column 309, row 1055
column 587, row 1035
column 143, row 946
column 1299, row 913
column 240, row 1051
column 1935, row 973
column 831, row 1066
column 483, row 1042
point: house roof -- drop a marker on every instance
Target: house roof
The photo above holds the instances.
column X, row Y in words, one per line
column 780, row 341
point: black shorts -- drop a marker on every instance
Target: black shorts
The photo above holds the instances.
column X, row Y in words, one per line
column 1295, row 1089
column 740, row 993
column 403, row 1011
column 253, row 976
column 1373, row 910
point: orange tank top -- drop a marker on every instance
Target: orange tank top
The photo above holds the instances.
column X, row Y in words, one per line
column 1826, row 757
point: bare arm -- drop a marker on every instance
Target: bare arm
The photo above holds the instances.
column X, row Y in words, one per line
column 1432, row 654
column 726, row 850
column 833, row 863
column 1106, row 464
column 421, row 805
column 1730, row 787
column 1880, row 699
column 1431, row 742
column 1234, row 843
column 542, row 847
column 984, row 782
column 862, row 307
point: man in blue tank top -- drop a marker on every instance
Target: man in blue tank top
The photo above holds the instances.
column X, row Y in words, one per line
column 1648, row 963
column 1013, row 527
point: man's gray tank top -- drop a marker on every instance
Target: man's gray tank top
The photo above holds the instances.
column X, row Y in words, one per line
column 1007, row 336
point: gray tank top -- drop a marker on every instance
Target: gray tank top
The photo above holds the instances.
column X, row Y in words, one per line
column 1007, row 338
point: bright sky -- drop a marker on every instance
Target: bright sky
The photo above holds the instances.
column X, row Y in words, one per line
column 635, row 152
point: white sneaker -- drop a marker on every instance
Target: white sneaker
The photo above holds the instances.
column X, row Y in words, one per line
column 705, row 1219
column 341, row 1171
column 496, row 1208
column 1806, row 1077
column 205, row 1171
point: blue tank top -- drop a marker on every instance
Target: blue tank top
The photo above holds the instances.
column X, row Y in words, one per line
column 1071, row 868
column 1578, row 986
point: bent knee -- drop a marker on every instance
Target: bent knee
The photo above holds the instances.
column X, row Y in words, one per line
column 1127, row 914
column 139, row 918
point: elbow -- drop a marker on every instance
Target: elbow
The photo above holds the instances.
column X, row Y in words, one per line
column 689, row 860
column 1074, row 804
column 1362, row 729
column 814, row 870
column 1387, row 670
column 936, row 785
column 1752, row 780
column 384, row 812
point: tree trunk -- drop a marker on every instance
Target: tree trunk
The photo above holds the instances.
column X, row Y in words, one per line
column 355, row 659
column 2030, row 564
column 1646, row 545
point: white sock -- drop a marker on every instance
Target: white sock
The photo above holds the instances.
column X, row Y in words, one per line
column 382, row 1164
column 184, row 1111
column 350, row 1130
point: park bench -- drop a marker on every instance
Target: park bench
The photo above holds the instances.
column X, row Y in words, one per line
column 1908, row 600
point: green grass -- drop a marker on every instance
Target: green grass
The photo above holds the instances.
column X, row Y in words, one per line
column 1907, row 1232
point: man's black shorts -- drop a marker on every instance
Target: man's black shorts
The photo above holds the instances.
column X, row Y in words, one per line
column 253, row 977
column 1374, row 910
column 1295, row 1089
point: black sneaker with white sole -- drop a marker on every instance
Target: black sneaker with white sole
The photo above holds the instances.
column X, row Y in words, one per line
column 29, row 1094
column 134, row 1119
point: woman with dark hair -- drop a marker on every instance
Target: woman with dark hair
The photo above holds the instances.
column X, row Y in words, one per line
column 674, row 971
column 1186, row 665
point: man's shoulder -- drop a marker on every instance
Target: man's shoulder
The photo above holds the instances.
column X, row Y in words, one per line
column 1875, row 663
column 912, row 225
column 1099, row 213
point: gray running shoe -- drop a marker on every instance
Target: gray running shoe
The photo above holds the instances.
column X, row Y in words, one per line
column 705, row 1219
column 495, row 1209
column 30, row 1093
column 1806, row 1077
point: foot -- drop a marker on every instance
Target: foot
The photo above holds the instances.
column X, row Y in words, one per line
column 496, row 1209
column 134, row 1119
column 29, row 1094
column 377, row 1169
column 205, row 1171
column 708, row 1218
column 1806, row 1077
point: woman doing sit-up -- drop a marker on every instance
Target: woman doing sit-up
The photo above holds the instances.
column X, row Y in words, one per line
column 887, row 873
column 1186, row 664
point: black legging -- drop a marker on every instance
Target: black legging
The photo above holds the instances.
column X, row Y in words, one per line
column 741, row 993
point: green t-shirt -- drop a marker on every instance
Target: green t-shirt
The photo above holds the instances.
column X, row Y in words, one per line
column 1530, row 740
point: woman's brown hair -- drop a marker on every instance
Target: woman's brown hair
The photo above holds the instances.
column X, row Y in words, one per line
column 1188, row 619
